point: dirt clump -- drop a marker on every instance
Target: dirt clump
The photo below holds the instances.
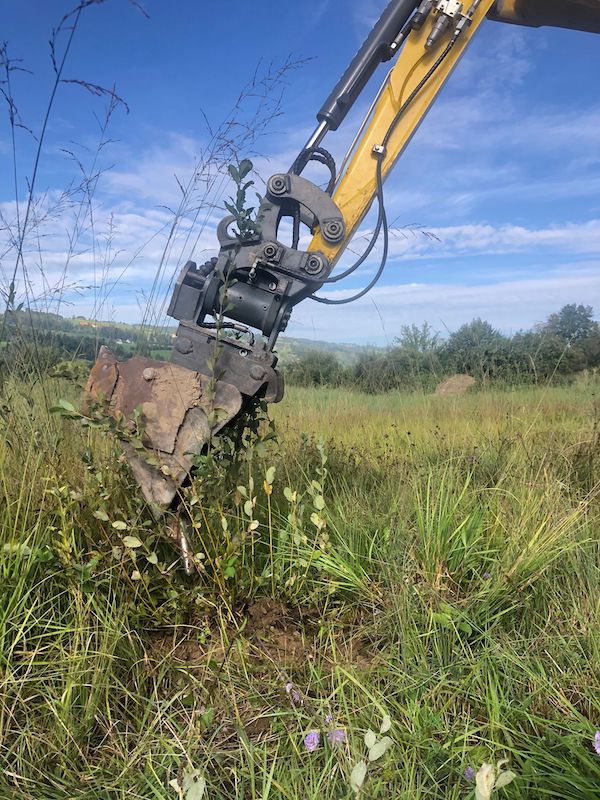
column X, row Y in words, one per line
column 272, row 635
column 276, row 630
column 455, row 385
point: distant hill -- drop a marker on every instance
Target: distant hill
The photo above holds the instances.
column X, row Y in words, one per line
column 159, row 339
column 290, row 348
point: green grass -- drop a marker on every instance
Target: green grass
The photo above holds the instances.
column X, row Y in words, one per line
column 434, row 560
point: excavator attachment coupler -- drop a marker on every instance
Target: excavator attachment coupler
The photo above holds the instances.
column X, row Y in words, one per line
column 168, row 414
column 579, row 15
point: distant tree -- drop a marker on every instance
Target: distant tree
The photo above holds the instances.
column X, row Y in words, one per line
column 376, row 373
column 573, row 323
column 541, row 356
column 315, row 369
column 591, row 348
column 414, row 359
column 418, row 338
column 476, row 349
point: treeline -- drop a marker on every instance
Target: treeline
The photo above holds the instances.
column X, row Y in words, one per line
column 80, row 328
column 34, row 341
column 566, row 344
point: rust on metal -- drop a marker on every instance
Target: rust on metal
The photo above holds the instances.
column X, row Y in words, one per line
column 172, row 410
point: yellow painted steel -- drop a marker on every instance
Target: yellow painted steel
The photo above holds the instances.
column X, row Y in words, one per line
column 579, row 15
column 507, row 10
column 357, row 187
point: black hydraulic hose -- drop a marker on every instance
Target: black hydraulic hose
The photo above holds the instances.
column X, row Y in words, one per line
column 382, row 217
column 381, row 225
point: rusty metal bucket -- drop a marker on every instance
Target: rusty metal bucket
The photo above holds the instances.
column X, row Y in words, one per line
column 172, row 411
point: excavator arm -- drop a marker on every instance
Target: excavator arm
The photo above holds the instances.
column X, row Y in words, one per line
column 580, row 15
column 171, row 409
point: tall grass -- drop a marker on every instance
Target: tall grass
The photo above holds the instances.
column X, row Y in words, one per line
column 430, row 559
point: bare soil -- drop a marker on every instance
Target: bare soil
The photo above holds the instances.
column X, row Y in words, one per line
column 455, row 385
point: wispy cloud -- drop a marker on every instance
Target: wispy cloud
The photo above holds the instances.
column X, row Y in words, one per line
column 509, row 305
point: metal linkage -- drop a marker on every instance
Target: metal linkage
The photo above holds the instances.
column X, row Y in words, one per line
column 255, row 283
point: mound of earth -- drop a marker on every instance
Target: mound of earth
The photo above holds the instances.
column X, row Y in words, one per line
column 454, row 385
column 270, row 633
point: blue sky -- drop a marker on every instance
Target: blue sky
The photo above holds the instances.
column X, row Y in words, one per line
column 505, row 171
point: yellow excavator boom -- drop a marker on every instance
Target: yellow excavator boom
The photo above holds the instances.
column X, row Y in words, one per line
column 579, row 15
column 357, row 187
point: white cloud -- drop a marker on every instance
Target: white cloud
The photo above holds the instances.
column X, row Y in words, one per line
column 508, row 305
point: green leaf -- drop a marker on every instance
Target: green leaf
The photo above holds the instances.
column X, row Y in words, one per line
column 193, row 786
column 131, row 541
column 66, row 409
column 152, row 558
column 379, row 749
column 234, row 173
column 289, row 495
column 357, row 776
column 245, row 168
column 386, row 724
column 270, row 475
column 248, row 508
column 102, row 515
column 17, row 548
column 504, row 779
column 319, row 502
column 208, row 717
column 119, row 525
column 370, row 738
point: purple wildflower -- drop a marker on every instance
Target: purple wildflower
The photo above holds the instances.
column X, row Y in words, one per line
column 294, row 694
column 469, row 773
column 336, row 737
column 312, row 740
column 487, row 576
column 597, row 742
column 328, row 719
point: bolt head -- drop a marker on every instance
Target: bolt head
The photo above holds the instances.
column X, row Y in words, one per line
column 184, row 345
column 257, row 372
column 314, row 264
column 333, row 230
column 278, row 184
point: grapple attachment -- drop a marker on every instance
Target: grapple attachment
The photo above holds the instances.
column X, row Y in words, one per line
column 171, row 412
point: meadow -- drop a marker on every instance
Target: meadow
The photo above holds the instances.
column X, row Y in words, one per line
column 424, row 568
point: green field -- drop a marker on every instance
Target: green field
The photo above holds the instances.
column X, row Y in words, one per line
column 431, row 560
